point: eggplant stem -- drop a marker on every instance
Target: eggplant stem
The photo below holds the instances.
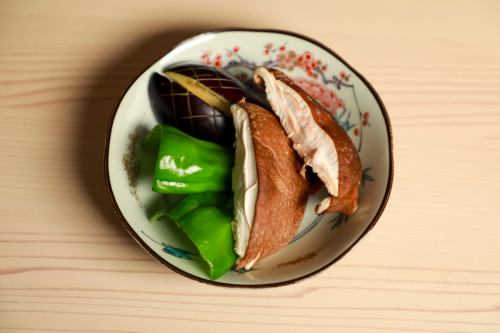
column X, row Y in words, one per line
column 201, row 91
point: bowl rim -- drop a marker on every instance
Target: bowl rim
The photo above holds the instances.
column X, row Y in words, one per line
column 149, row 250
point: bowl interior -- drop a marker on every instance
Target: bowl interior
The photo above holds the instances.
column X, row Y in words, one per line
column 321, row 239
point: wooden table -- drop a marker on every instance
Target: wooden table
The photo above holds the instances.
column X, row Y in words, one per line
column 432, row 264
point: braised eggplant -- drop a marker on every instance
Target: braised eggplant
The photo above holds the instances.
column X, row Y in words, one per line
column 180, row 98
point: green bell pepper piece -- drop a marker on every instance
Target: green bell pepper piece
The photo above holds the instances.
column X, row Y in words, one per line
column 188, row 165
column 209, row 228
column 193, row 201
column 151, row 141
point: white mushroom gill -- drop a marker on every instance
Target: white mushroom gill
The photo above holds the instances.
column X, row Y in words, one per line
column 245, row 181
column 310, row 141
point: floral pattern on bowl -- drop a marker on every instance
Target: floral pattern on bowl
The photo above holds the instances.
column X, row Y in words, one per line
column 316, row 82
column 321, row 240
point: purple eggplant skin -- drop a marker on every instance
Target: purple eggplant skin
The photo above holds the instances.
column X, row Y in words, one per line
column 173, row 105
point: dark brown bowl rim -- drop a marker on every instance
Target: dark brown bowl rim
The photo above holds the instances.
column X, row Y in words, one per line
column 381, row 208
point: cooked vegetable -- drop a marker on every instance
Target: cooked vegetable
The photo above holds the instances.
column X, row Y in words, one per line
column 193, row 201
column 197, row 88
column 270, row 194
column 317, row 138
column 189, row 165
column 191, row 107
column 186, row 164
column 206, row 220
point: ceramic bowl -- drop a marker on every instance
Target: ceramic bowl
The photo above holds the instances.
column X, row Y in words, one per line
column 320, row 240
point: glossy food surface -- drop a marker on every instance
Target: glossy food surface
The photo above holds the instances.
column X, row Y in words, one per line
column 176, row 106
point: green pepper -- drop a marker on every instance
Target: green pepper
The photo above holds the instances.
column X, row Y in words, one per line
column 209, row 228
column 194, row 201
column 188, row 165
column 151, row 142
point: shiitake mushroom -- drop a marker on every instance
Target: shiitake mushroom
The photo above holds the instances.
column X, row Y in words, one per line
column 187, row 104
column 317, row 138
column 270, row 194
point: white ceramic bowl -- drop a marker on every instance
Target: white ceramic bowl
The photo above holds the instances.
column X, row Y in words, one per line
column 321, row 240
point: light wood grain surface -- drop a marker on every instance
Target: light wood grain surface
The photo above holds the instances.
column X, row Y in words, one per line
column 432, row 264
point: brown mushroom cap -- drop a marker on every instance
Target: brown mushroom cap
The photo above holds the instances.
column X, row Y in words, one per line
column 282, row 191
column 349, row 163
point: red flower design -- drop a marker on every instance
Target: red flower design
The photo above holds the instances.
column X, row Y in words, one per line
column 236, row 49
column 327, row 98
column 356, row 131
column 266, row 52
column 309, row 64
column 282, row 48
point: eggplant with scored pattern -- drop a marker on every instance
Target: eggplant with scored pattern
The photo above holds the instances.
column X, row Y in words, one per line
column 180, row 98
